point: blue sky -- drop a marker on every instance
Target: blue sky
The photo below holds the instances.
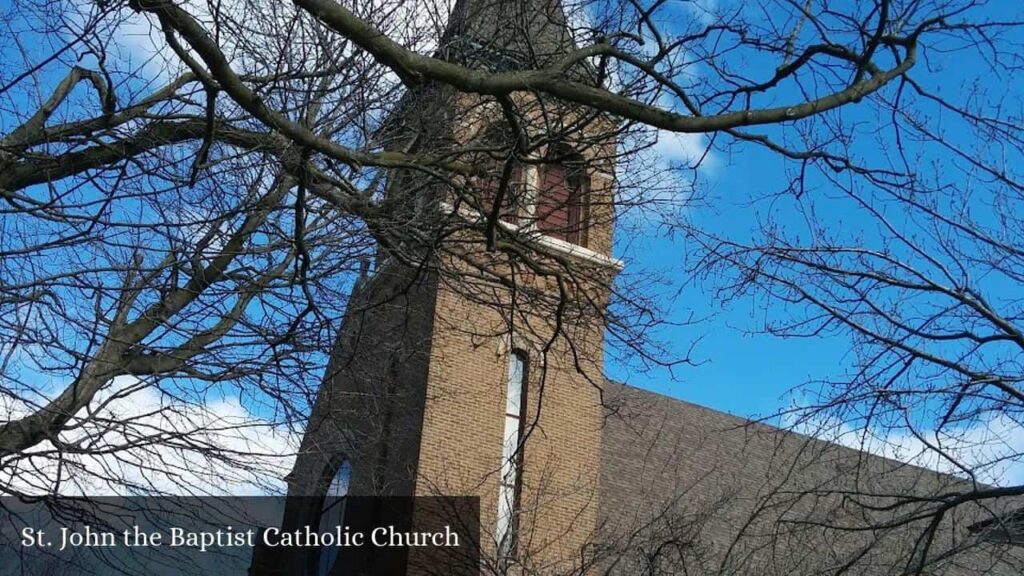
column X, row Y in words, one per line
column 738, row 371
column 749, row 374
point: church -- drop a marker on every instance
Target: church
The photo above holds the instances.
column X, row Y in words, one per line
column 467, row 371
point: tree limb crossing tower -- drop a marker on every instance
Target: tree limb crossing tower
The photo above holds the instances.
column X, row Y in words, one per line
column 474, row 366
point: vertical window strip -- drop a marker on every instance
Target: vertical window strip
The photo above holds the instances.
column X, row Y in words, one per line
column 561, row 202
column 510, row 461
column 333, row 513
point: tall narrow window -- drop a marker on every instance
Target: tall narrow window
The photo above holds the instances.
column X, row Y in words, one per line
column 561, row 200
column 511, row 458
column 333, row 513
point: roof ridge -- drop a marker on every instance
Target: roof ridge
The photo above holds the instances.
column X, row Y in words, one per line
column 770, row 428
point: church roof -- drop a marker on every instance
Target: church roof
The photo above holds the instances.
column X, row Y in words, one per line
column 737, row 497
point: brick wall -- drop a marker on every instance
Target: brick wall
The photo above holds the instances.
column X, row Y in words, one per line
column 369, row 409
column 464, row 417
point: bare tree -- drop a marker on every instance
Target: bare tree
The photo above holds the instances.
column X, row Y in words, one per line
column 195, row 231
column 156, row 250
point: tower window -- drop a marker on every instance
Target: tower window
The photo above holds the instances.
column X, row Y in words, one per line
column 499, row 142
column 510, row 202
column 561, row 201
column 333, row 513
column 511, row 458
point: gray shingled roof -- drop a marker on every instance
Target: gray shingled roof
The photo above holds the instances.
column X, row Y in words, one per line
column 722, row 495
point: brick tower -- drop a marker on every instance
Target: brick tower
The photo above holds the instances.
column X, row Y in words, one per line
column 466, row 368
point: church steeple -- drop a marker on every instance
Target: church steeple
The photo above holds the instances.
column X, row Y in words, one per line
column 507, row 34
column 437, row 379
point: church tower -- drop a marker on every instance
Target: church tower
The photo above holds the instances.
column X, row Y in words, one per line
column 471, row 362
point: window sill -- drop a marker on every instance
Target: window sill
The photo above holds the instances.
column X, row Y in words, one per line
column 574, row 250
column 547, row 242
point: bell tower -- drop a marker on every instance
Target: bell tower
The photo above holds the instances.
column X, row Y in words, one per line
column 472, row 363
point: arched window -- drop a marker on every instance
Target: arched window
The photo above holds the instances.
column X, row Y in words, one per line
column 333, row 513
column 511, row 458
column 561, row 198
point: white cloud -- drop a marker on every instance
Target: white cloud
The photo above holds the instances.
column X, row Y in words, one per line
column 133, row 45
column 142, row 45
column 134, row 439
column 992, row 449
column 706, row 11
column 692, row 150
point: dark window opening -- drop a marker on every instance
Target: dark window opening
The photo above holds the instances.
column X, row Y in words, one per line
column 561, row 201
